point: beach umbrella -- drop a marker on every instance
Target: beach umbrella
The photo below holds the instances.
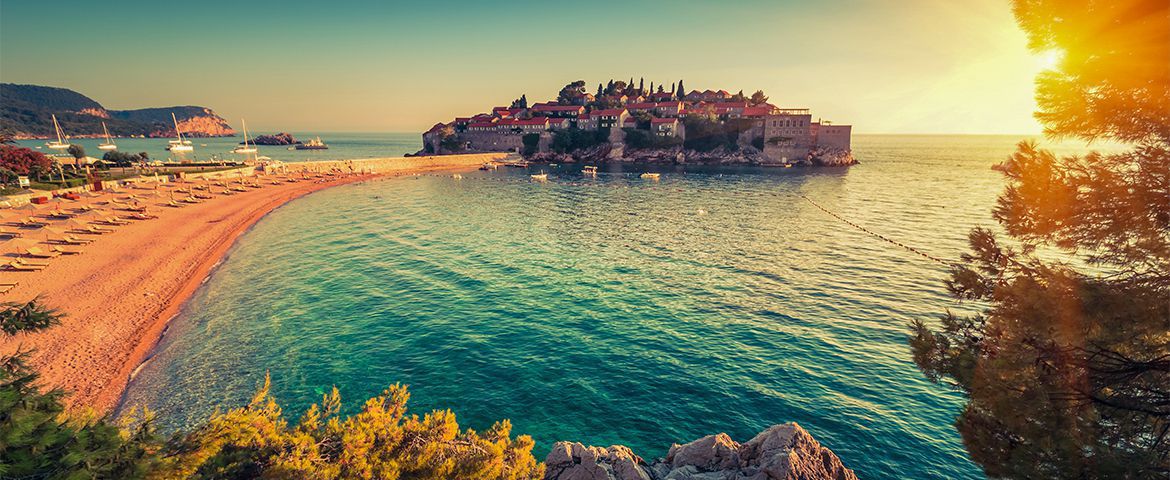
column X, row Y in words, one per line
column 54, row 233
column 20, row 246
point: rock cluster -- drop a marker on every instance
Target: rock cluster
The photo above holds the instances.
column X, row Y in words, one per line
column 783, row 451
column 281, row 138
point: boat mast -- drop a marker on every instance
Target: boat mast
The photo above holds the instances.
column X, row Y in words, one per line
column 104, row 129
column 177, row 132
column 245, row 124
column 57, row 127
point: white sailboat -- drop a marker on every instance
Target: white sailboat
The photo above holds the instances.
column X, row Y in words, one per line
column 60, row 144
column 245, row 148
column 179, row 145
column 109, row 145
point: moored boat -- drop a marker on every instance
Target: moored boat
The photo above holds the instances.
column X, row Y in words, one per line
column 60, row 144
column 650, row 176
column 179, row 145
column 589, row 170
column 109, row 143
column 245, row 148
column 540, row 177
column 314, row 144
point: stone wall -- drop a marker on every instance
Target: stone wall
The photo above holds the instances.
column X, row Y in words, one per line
column 395, row 164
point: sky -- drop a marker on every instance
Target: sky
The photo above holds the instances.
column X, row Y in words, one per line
column 908, row 66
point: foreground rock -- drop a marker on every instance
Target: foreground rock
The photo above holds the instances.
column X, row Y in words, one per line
column 781, row 452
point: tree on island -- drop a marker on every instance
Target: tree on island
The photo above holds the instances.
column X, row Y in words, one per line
column 521, row 102
column 569, row 93
column 1067, row 372
column 757, row 98
column 680, row 92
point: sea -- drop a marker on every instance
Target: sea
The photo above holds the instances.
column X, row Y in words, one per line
column 342, row 146
column 607, row 310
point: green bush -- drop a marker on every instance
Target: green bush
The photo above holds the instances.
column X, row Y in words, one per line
column 574, row 139
column 531, row 143
column 644, row 139
column 705, row 133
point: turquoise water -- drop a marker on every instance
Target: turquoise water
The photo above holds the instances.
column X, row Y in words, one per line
column 341, row 146
column 614, row 310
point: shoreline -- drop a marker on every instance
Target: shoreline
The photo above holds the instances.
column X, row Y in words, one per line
column 121, row 294
column 145, row 350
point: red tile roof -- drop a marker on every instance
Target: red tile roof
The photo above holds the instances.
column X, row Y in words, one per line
column 613, row 112
column 557, row 108
column 640, row 106
column 481, row 125
column 663, row 120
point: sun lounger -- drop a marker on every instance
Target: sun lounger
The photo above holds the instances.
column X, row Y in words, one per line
column 6, row 286
column 72, row 240
column 174, row 204
column 10, row 233
column 64, row 250
column 94, row 230
column 135, row 208
column 32, row 222
column 203, row 196
column 36, row 252
column 114, row 221
column 142, row 215
column 59, row 214
column 24, row 267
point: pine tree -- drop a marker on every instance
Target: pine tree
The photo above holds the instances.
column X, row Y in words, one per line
column 1067, row 371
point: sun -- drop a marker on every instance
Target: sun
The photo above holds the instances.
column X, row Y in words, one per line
column 1050, row 59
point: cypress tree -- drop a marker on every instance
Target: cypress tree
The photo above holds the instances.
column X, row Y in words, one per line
column 681, row 92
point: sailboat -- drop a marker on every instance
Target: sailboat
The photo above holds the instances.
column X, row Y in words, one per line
column 60, row 144
column 109, row 145
column 245, row 148
column 179, row 145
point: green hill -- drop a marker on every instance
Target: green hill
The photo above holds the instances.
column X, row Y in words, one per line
column 26, row 112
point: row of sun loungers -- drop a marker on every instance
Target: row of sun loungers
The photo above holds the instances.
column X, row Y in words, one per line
column 83, row 221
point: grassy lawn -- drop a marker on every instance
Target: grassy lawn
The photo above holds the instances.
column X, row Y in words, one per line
column 110, row 175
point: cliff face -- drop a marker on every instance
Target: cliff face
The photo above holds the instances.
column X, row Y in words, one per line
column 782, row 452
column 193, row 121
column 26, row 112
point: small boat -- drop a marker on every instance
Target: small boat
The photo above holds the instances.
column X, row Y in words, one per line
column 179, row 145
column 60, row 144
column 540, row 177
column 650, row 176
column 245, row 148
column 787, row 165
column 109, row 145
column 488, row 166
column 589, row 170
column 314, row 144
column 457, row 176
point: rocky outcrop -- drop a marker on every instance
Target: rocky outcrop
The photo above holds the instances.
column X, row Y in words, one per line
column 281, row 138
column 781, row 452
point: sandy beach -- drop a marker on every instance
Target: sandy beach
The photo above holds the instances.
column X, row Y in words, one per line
column 119, row 295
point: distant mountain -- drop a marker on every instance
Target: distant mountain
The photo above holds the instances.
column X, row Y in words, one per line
column 26, row 112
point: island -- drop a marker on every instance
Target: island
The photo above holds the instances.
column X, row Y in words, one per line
column 627, row 123
column 281, row 138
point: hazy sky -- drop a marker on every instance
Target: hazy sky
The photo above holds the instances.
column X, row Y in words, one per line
column 907, row 66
